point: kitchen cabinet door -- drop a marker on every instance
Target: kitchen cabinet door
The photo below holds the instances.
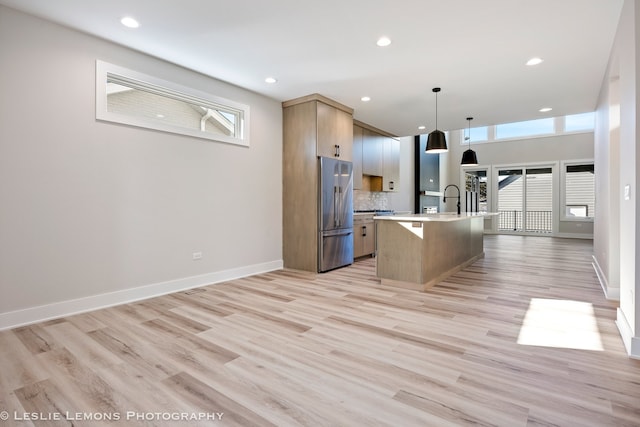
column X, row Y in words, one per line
column 358, row 134
column 391, row 164
column 358, row 241
column 363, row 238
column 369, row 244
column 335, row 132
column 372, row 148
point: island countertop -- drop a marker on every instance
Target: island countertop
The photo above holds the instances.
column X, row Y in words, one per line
column 443, row 217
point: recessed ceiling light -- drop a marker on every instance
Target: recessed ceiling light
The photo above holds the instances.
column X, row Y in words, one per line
column 270, row 80
column 534, row 61
column 545, row 109
column 365, row 99
column 383, row 41
column 129, row 22
column 422, row 127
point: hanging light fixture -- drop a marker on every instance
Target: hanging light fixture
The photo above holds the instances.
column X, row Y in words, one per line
column 469, row 157
column 436, row 142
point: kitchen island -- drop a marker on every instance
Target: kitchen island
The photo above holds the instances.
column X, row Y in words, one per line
column 417, row 251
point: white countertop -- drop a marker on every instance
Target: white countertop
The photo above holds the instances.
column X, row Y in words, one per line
column 442, row 217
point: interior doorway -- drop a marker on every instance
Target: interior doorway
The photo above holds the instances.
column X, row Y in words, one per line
column 476, row 187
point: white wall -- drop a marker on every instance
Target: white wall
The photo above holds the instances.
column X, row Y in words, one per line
column 617, row 237
column 92, row 211
column 606, row 243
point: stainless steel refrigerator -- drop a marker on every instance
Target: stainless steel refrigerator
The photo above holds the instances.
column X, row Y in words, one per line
column 335, row 216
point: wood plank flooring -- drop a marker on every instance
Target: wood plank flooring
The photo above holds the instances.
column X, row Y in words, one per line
column 289, row 348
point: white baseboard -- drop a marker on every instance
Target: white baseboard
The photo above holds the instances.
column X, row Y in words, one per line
column 574, row 236
column 559, row 235
column 41, row 313
column 609, row 292
column 631, row 342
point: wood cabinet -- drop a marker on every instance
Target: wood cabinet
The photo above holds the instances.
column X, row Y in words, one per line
column 380, row 158
column 358, row 134
column 312, row 126
column 439, row 246
column 391, row 164
column 364, row 235
column 335, row 132
column 372, row 150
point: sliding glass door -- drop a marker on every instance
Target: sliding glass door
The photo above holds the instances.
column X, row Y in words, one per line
column 525, row 200
column 510, row 199
column 539, row 200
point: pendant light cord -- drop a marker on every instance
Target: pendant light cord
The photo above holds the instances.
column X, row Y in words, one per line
column 436, row 90
column 436, row 110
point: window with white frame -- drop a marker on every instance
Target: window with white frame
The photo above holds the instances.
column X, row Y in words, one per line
column 578, row 185
column 530, row 129
column 525, row 129
column 129, row 97
column 579, row 122
column 478, row 134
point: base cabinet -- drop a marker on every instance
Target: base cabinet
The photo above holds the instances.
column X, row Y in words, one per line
column 416, row 251
column 364, row 236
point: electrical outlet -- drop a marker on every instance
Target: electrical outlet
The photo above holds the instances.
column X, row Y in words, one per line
column 197, row 255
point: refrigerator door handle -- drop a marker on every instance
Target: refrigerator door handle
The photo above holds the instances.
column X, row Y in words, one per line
column 334, row 233
column 339, row 205
column 336, row 204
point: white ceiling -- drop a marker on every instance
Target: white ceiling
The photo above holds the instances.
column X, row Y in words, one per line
column 474, row 50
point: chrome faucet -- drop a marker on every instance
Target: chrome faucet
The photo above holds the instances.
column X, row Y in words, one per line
column 444, row 199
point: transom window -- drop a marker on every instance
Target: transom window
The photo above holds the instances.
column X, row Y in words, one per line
column 579, row 122
column 129, row 97
column 530, row 129
column 522, row 129
column 478, row 134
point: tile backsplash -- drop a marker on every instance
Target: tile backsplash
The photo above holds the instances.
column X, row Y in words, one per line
column 369, row 200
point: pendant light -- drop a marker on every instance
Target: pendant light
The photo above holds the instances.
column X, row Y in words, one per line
column 469, row 157
column 436, row 143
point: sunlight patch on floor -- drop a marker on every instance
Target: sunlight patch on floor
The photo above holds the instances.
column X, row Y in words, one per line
column 561, row 324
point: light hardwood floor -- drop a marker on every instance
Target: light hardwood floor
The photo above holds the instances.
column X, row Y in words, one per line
column 338, row 349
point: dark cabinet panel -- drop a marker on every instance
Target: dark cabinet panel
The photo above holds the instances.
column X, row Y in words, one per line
column 427, row 178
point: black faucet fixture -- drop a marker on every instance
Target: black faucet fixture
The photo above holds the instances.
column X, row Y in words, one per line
column 444, row 199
